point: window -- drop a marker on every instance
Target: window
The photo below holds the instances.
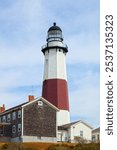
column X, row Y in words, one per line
column 14, row 115
column 81, row 133
column 8, row 117
column 19, row 127
column 38, row 137
column 1, row 132
column 65, row 138
column 4, row 119
column 13, row 129
column 19, row 113
column 40, row 103
column 93, row 138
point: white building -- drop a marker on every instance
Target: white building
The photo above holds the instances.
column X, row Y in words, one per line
column 96, row 135
column 69, row 131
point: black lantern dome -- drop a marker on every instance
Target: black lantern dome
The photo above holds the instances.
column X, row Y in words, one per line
column 54, row 27
column 54, row 34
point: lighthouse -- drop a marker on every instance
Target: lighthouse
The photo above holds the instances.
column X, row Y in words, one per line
column 55, row 88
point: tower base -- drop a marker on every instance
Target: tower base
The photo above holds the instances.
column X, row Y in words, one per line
column 63, row 117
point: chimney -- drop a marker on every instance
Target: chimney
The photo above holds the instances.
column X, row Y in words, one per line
column 2, row 109
column 31, row 98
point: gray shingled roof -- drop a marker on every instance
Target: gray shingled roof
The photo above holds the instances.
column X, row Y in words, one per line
column 96, row 130
column 66, row 126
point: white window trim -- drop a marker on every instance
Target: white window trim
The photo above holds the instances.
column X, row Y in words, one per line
column 4, row 119
column 14, row 115
column 19, row 127
column 81, row 133
column 9, row 117
column 14, row 129
column 40, row 103
column 19, row 113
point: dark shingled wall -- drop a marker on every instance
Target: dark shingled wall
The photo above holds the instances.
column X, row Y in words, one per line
column 39, row 120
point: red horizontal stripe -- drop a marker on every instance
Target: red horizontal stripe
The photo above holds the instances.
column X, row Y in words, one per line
column 56, row 92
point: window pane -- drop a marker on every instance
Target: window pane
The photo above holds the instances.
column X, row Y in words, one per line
column 19, row 113
column 14, row 115
column 81, row 133
column 13, row 129
column 8, row 117
column 19, row 127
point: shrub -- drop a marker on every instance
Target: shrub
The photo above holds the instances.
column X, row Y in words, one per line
column 90, row 146
column 59, row 147
column 79, row 139
column 79, row 146
column 49, row 146
column 15, row 146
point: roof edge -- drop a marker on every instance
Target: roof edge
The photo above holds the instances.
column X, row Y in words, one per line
column 75, row 123
column 44, row 100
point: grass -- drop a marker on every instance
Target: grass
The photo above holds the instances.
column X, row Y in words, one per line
column 24, row 146
column 91, row 146
column 48, row 146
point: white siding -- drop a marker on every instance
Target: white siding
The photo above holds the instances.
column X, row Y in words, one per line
column 96, row 136
column 75, row 131
column 62, row 136
column 61, row 65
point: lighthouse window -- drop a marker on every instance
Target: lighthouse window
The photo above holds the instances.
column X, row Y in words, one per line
column 59, row 50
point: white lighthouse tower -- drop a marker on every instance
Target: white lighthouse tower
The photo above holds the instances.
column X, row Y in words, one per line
column 55, row 88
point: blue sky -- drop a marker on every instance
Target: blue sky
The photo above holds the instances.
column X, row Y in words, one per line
column 23, row 30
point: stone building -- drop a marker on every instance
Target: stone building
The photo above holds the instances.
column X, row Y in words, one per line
column 34, row 120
